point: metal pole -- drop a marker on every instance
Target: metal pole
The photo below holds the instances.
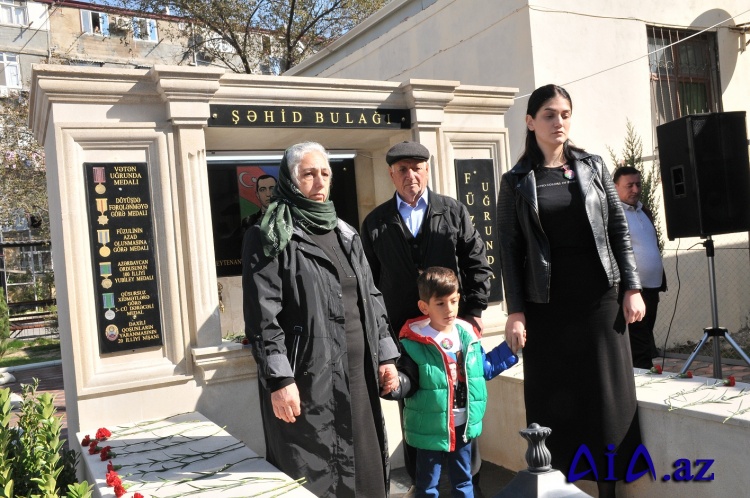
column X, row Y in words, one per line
column 709, row 244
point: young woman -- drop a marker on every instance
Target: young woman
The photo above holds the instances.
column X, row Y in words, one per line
column 566, row 253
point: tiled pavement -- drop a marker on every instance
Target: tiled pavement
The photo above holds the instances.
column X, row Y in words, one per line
column 493, row 478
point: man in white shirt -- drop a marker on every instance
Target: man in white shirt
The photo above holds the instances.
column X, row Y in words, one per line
column 648, row 260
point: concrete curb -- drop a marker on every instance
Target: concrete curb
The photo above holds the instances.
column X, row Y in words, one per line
column 29, row 366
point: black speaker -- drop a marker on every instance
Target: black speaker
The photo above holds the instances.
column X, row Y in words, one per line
column 705, row 174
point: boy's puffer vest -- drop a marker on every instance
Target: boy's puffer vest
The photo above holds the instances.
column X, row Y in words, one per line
column 428, row 414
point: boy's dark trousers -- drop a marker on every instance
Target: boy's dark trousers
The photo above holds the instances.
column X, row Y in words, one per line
column 429, row 464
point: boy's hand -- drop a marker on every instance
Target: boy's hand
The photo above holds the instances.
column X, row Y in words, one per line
column 388, row 378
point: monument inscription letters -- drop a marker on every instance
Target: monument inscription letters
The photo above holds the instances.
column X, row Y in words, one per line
column 475, row 185
column 126, row 289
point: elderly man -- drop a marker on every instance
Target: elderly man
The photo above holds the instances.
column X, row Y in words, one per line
column 648, row 260
column 417, row 229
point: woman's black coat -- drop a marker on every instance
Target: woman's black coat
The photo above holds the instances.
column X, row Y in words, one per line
column 294, row 319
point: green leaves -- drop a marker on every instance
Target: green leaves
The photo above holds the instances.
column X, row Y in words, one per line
column 32, row 462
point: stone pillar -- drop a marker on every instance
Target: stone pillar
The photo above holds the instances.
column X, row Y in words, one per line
column 186, row 92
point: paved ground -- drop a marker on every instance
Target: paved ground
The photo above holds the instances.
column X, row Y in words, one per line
column 493, row 477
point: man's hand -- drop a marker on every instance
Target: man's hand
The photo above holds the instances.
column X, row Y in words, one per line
column 515, row 331
column 285, row 403
column 388, row 378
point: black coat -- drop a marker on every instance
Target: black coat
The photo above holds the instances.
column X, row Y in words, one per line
column 294, row 319
column 452, row 242
column 524, row 248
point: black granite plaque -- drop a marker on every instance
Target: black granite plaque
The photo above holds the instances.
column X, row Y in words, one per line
column 122, row 247
column 475, row 184
column 239, row 116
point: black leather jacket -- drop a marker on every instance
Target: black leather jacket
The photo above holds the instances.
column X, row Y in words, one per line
column 524, row 248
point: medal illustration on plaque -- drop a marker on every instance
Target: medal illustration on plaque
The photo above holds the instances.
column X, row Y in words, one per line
column 111, row 332
column 99, row 178
column 103, row 238
column 101, row 206
column 109, row 303
column 105, row 270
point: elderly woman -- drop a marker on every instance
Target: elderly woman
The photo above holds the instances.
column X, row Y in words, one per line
column 320, row 336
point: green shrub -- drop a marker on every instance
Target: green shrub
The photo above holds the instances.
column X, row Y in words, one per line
column 33, row 461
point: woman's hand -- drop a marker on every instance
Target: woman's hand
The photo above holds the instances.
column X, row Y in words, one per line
column 515, row 331
column 387, row 378
column 633, row 306
column 285, row 403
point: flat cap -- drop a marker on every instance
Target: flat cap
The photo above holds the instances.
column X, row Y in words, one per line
column 407, row 150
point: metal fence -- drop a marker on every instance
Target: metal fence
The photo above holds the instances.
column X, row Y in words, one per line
column 686, row 308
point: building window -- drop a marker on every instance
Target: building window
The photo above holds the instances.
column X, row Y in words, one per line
column 12, row 12
column 684, row 73
column 95, row 23
column 145, row 29
column 10, row 72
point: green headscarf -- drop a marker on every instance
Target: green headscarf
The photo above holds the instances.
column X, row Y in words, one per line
column 288, row 206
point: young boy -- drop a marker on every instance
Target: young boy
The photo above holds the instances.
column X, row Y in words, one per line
column 442, row 373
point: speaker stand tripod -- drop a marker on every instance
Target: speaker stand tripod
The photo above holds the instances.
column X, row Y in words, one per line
column 715, row 331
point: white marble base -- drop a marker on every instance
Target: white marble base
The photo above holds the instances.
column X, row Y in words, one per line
column 184, row 455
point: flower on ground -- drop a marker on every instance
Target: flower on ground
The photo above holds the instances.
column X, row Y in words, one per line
column 113, row 479
column 137, row 495
column 86, row 440
column 656, row 369
column 119, row 490
column 730, row 381
column 112, row 468
column 106, row 453
column 93, row 448
column 686, row 375
column 102, row 434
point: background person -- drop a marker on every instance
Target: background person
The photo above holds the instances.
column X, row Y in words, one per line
column 565, row 250
column 417, row 229
column 648, row 260
column 443, row 360
column 263, row 189
column 319, row 335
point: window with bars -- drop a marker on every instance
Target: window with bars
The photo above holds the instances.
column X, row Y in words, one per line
column 684, row 73
column 12, row 12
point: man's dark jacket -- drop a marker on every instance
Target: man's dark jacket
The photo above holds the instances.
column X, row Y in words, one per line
column 524, row 247
column 451, row 241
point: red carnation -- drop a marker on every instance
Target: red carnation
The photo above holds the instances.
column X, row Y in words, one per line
column 111, row 467
column 102, row 434
column 656, row 369
column 137, row 495
column 93, row 448
column 730, row 381
column 106, row 453
column 245, row 341
column 86, row 440
column 686, row 375
column 113, row 479
column 119, row 490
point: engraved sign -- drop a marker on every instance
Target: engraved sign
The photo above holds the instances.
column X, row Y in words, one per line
column 122, row 248
column 475, row 185
column 239, row 116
